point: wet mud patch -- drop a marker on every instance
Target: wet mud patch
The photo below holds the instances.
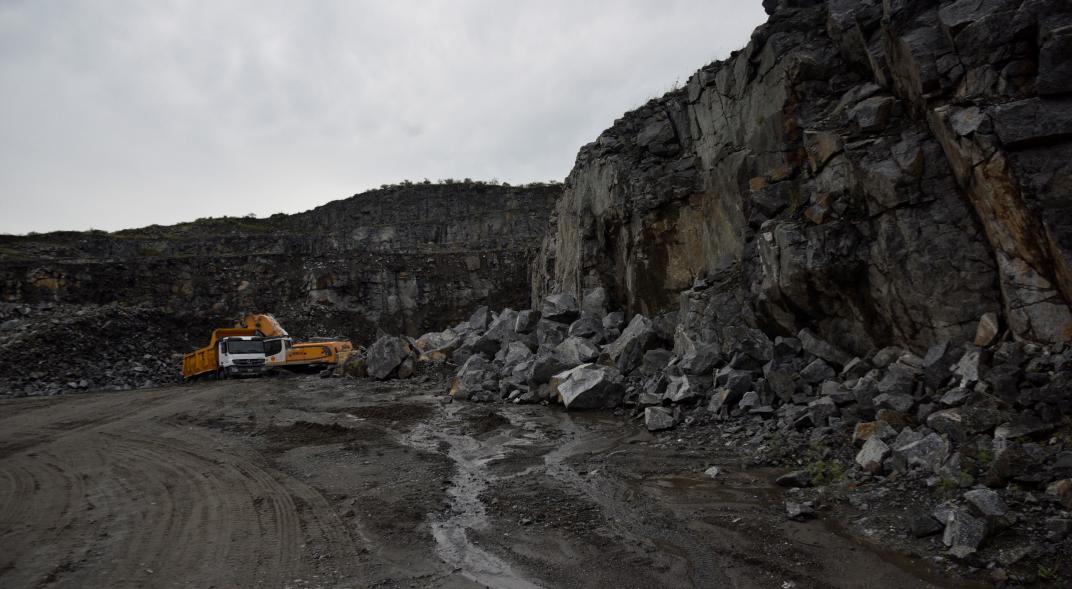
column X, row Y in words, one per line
column 543, row 506
column 518, row 464
column 307, row 433
column 245, row 425
column 385, row 490
column 399, row 412
column 551, row 529
column 483, row 423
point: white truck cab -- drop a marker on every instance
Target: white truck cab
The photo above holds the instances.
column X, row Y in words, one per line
column 241, row 356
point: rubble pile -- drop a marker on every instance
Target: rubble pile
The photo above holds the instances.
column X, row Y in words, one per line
column 49, row 349
column 976, row 439
column 576, row 353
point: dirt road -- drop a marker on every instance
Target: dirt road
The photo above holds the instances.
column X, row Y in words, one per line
column 304, row 482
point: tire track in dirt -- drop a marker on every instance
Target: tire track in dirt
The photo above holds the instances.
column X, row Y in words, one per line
column 294, row 505
column 42, row 512
column 24, row 429
column 126, row 499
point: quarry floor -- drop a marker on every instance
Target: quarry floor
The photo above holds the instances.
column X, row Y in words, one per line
column 309, row 482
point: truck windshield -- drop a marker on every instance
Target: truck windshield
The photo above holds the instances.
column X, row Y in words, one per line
column 245, row 347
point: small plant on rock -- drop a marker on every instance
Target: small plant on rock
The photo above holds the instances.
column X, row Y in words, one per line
column 824, row 470
column 947, row 487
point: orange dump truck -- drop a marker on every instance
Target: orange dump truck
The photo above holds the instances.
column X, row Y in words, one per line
column 280, row 349
column 232, row 351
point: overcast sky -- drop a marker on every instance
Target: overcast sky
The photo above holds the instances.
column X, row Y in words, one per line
column 121, row 114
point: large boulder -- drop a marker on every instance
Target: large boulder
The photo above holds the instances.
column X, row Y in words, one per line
column 515, row 353
column 595, row 301
column 928, row 453
column 822, row 349
column 821, row 410
column 628, row 350
column 684, row 388
column 499, row 333
column 817, row 371
column 900, row 381
column 560, row 307
column 783, row 376
column 590, row 386
column 865, row 430
column 658, row 418
column 526, row 321
column 653, row 389
column 699, row 357
column 988, row 329
column 544, row 366
column 936, row 363
column 436, row 340
column 388, row 357
column 960, row 423
column 972, row 367
column 723, row 400
column 655, row 361
column 576, row 350
column 614, row 322
column 479, row 320
column 475, row 380
column 589, row 326
column 751, row 348
column 963, row 533
column 551, row 332
column 986, row 503
column 872, row 455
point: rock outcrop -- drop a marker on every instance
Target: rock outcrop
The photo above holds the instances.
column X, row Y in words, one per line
column 881, row 173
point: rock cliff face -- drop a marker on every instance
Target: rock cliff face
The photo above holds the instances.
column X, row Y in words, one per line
column 406, row 259
column 879, row 172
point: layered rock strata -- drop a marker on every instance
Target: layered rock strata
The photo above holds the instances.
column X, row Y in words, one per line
column 407, row 259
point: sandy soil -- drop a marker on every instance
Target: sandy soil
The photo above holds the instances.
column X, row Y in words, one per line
column 306, row 482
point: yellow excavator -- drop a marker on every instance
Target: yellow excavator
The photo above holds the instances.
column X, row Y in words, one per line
column 280, row 350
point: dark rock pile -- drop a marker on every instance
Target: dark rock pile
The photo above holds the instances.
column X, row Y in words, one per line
column 545, row 355
column 980, row 436
column 49, row 349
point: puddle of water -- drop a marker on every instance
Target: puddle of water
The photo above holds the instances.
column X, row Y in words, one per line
column 574, row 435
column 471, row 477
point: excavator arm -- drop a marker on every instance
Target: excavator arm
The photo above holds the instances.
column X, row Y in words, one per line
column 265, row 324
column 289, row 353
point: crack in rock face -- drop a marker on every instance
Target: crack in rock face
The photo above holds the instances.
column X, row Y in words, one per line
column 828, row 176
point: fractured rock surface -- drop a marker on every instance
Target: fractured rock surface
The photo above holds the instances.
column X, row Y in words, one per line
column 879, row 173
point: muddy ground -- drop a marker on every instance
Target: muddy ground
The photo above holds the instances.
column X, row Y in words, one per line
column 308, row 482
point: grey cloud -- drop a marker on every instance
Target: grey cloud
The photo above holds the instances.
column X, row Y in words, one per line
column 123, row 113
